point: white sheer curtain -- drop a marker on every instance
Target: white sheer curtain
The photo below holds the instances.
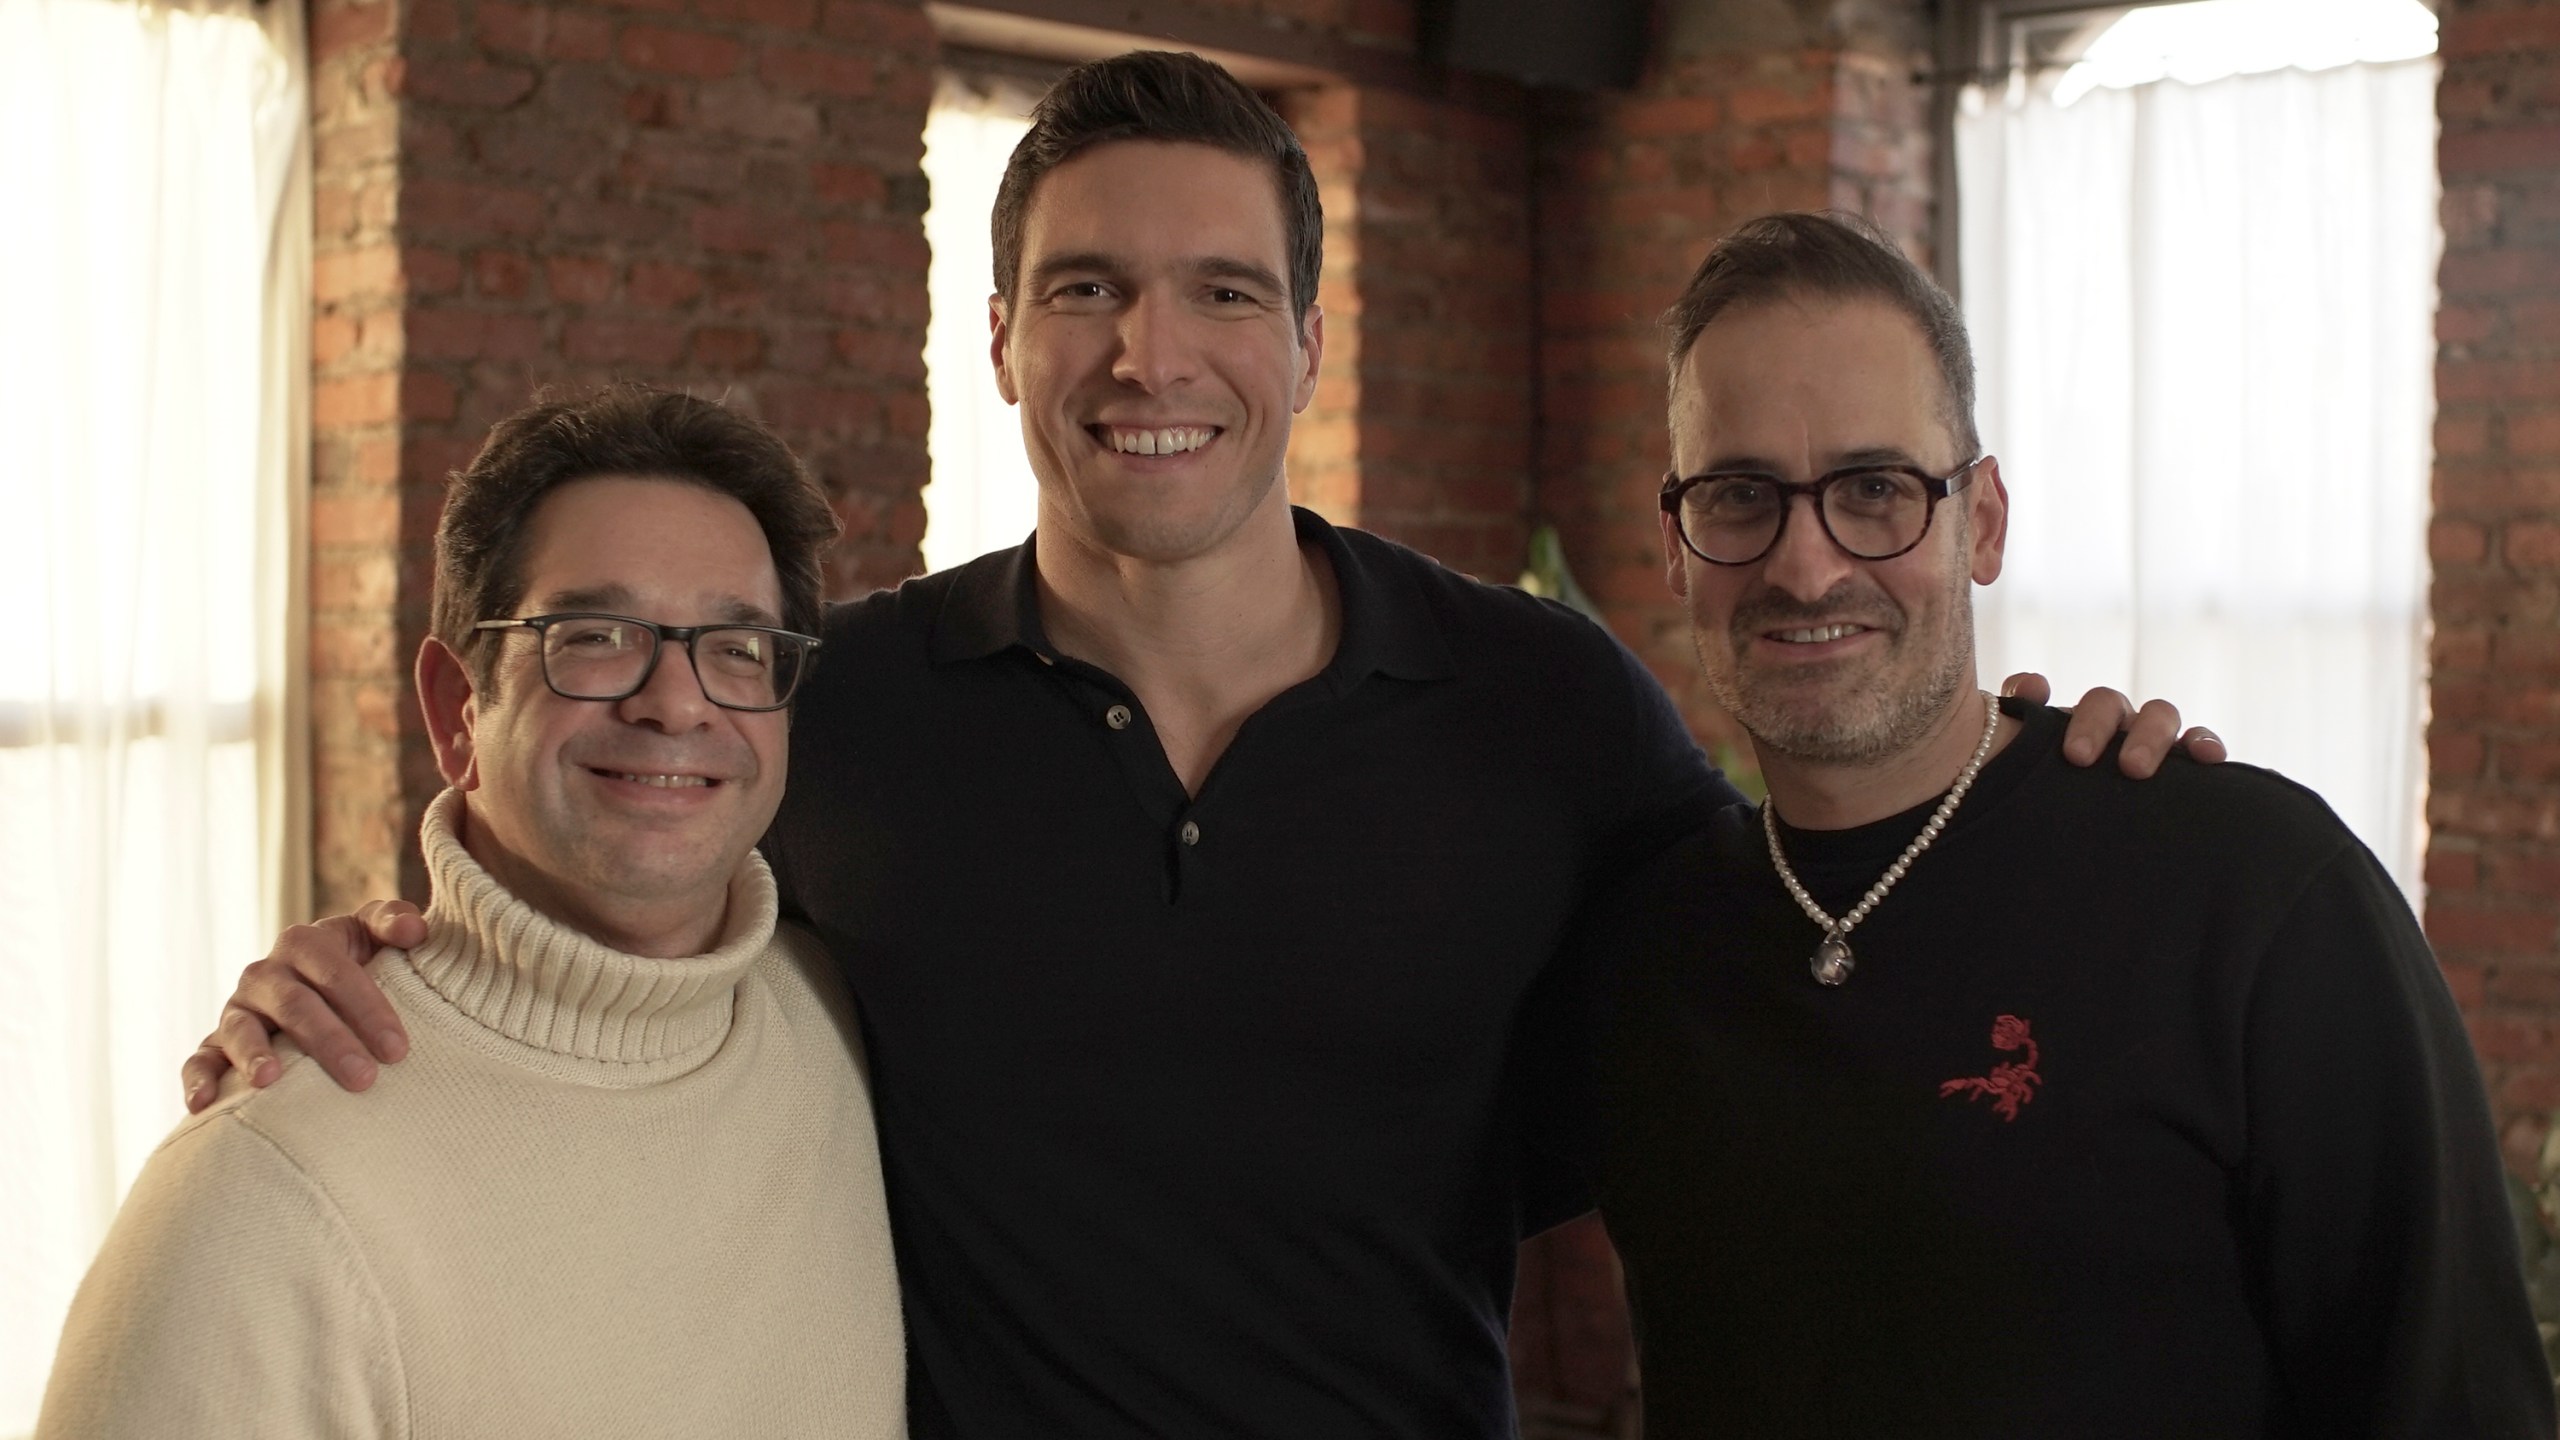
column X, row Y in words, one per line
column 2204, row 316
column 154, row 274
column 982, row 496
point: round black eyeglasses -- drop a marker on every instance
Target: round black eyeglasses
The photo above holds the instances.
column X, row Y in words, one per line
column 610, row 657
column 1872, row 512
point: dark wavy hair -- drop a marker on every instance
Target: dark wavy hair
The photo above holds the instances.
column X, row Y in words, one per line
column 1162, row 96
column 634, row 430
column 1838, row 257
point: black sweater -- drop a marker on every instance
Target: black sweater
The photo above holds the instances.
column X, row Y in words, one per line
column 2146, row 1113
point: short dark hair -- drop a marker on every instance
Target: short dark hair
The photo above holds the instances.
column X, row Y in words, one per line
column 1835, row 256
column 1171, row 98
column 634, row 430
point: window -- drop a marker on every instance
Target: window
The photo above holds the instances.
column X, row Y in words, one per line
column 982, row 496
column 156, row 274
column 2203, row 301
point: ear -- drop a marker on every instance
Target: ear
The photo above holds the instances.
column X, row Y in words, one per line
column 451, row 704
column 1987, row 506
column 996, row 336
column 1675, row 556
column 1311, row 360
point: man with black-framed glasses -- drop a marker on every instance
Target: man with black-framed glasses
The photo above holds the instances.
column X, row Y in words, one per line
column 626, row 1182
column 1960, row 1091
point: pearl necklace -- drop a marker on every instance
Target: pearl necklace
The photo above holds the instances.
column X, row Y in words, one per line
column 1831, row 959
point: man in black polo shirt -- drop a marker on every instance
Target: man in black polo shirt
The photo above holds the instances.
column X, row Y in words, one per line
column 1191, row 863
column 1963, row 1092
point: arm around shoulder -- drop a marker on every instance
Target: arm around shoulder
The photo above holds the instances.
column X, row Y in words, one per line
column 229, row 1300
column 2374, row 1187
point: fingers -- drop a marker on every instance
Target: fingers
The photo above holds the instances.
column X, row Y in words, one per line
column 201, row 1077
column 242, row 1038
column 2204, row 747
column 390, row 922
column 315, row 989
column 2094, row 723
column 2148, row 738
column 2029, row 686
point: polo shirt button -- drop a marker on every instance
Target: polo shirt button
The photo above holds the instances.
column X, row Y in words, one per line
column 1190, row 832
column 1117, row 717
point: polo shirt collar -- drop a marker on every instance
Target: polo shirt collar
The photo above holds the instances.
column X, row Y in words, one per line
column 1388, row 627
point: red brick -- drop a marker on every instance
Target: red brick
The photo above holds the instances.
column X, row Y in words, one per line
column 658, row 285
column 2471, row 32
column 579, row 35
column 2533, row 545
column 333, row 337
column 2533, row 432
column 722, row 348
column 816, row 70
column 475, row 84
column 2457, row 542
column 2462, row 924
column 2532, row 764
column 2461, row 434
column 2513, row 147
column 886, row 28
column 615, row 341
column 2536, row 875
column 2500, row 272
column 848, row 184
column 668, row 51
column 2467, row 324
column 884, row 245
column 501, row 274
column 2453, row 870
column 1671, row 116
column 2466, row 983
column 426, row 395
column 779, row 14
column 579, row 279
column 367, row 274
column 370, row 399
column 339, row 28
column 738, row 231
column 517, row 29
column 2460, row 381
column 366, row 518
column 455, row 206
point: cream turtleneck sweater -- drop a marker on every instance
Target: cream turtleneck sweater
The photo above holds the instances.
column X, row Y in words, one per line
column 604, row 1196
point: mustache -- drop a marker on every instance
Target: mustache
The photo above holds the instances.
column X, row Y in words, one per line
column 1850, row 602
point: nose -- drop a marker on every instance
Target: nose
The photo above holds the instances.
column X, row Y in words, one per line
column 1805, row 563
column 671, row 701
column 1156, row 353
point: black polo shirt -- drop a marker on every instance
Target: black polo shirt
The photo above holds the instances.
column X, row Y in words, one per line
column 1209, row 1116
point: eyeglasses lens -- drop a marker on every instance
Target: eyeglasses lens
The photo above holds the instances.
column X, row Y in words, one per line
column 606, row 659
column 1872, row 514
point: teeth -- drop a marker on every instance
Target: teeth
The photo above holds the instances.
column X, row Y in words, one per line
column 1819, row 634
column 663, row 782
column 1172, row 441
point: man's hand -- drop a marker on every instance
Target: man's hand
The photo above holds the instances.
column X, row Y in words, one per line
column 313, row 987
column 2150, row 732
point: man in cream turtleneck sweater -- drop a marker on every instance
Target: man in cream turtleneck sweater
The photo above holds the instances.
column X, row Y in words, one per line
column 626, row 1183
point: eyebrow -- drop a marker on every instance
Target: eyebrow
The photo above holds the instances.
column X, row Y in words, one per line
column 1206, row 267
column 1848, row 460
column 731, row 609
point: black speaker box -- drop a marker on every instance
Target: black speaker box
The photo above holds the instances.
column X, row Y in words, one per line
column 1577, row 44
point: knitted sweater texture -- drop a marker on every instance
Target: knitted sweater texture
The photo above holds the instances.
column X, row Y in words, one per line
column 605, row 1195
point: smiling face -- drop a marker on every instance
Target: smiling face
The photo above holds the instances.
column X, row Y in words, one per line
column 1822, row 656
column 1152, row 347
column 625, row 819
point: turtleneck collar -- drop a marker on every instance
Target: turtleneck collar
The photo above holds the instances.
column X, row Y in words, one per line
column 534, row 980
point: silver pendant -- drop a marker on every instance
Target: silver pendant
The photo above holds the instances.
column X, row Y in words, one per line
column 1832, row 961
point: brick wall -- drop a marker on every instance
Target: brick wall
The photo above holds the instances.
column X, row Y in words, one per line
column 717, row 194
column 2493, row 864
column 1422, row 425
column 1748, row 108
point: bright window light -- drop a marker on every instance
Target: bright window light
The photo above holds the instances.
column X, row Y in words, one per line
column 982, row 496
column 2213, row 39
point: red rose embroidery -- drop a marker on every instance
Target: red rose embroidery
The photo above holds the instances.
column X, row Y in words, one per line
column 2011, row 1083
